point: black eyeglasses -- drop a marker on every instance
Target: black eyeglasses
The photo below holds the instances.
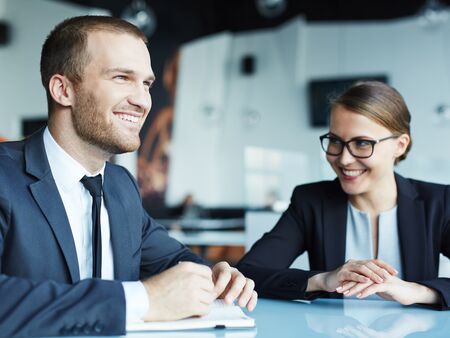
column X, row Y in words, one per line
column 358, row 147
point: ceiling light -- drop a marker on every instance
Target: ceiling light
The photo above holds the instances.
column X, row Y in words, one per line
column 271, row 8
column 141, row 15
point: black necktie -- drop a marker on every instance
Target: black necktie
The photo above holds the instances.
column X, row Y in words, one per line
column 94, row 186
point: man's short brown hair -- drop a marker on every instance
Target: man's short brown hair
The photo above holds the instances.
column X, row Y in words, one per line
column 64, row 50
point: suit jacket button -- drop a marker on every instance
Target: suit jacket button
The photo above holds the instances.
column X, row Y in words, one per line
column 98, row 328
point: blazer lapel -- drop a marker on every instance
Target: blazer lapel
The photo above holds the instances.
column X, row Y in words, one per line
column 47, row 197
column 118, row 222
column 411, row 228
column 335, row 227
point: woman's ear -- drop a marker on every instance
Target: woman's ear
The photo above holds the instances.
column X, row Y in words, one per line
column 402, row 144
column 61, row 90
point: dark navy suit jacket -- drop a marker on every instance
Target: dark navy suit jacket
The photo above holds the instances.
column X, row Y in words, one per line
column 316, row 222
column 40, row 289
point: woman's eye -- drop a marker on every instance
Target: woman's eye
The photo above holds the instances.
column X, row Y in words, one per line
column 334, row 140
column 362, row 143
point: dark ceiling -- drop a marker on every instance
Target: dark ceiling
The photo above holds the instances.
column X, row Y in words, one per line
column 189, row 19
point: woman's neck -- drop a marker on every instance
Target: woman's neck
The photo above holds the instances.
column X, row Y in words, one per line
column 383, row 198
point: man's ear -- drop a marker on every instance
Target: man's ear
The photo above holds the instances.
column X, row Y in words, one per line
column 61, row 90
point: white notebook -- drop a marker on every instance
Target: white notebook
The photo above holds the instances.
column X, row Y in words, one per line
column 220, row 316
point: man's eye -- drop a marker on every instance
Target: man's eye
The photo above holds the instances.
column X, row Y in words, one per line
column 120, row 77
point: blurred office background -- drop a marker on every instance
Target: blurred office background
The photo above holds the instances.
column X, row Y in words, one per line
column 241, row 97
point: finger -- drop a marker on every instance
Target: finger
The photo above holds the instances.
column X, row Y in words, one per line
column 357, row 288
column 236, row 285
column 221, row 281
column 246, row 293
column 344, row 287
column 253, row 301
column 389, row 268
column 354, row 277
column 382, row 272
column 373, row 272
column 371, row 290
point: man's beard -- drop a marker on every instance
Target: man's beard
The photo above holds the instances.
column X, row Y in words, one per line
column 91, row 126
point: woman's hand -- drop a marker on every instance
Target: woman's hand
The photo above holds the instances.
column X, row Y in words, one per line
column 393, row 288
column 363, row 271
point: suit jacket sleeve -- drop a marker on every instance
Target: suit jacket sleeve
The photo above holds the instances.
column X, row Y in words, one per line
column 48, row 308
column 268, row 261
column 160, row 251
column 442, row 285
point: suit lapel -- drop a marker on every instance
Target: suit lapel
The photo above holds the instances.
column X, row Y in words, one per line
column 411, row 228
column 335, row 227
column 118, row 222
column 46, row 195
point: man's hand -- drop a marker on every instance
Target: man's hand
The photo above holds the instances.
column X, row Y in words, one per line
column 363, row 271
column 230, row 284
column 393, row 288
column 182, row 291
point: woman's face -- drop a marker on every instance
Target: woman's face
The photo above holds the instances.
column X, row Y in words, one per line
column 364, row 176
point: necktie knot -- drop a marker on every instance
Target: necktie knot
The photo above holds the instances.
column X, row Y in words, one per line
column 93, row 185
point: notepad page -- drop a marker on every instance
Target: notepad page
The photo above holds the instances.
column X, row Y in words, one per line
column 221, row 315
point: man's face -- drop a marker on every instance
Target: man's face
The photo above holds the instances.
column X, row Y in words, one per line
column 113, row 99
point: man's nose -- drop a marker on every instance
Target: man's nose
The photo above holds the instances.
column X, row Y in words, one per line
column 141, row 98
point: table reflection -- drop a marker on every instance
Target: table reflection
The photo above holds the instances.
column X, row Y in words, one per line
column 371, row 318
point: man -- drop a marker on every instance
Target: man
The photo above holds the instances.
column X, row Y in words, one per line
column 67, row 216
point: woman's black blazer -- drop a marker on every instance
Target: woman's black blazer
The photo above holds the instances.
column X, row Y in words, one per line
column 315, row 221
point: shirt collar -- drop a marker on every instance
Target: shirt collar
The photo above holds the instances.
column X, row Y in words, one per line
column 66, row 171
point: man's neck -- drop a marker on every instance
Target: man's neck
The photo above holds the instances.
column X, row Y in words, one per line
column 89, row 156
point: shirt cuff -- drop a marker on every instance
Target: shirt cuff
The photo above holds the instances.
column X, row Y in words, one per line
column 136, row 300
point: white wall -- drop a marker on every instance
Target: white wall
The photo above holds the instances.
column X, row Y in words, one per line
column 207, row 154
column 2, row 8
column 21, row 92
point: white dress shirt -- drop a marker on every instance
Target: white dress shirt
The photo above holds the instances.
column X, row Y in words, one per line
column 77, row 201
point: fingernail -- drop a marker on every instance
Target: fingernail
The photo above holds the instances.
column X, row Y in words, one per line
column 346, row 292
column 396, row 272
column 358, row 295
column 339, row 288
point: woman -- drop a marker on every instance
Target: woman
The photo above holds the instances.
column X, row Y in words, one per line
column 370, row 231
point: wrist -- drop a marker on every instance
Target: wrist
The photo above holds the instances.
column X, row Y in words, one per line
column 425, row 295
column 316, row 282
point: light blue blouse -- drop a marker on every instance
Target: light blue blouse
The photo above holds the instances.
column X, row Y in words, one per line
column 359, row 243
